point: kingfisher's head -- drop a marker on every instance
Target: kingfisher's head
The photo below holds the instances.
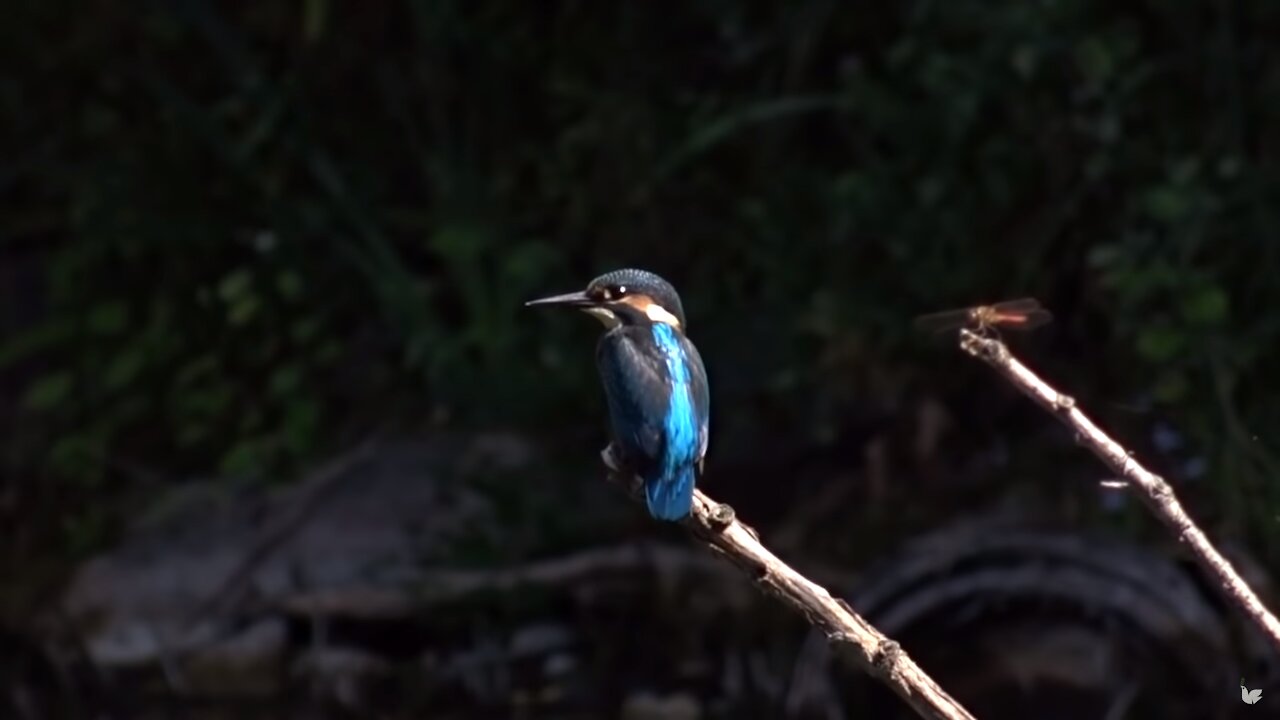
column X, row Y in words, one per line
column 625, row 297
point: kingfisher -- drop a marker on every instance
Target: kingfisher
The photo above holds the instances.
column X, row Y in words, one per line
column 654, row 381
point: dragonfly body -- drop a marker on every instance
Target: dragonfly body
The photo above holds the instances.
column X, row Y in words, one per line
column 1021, row 314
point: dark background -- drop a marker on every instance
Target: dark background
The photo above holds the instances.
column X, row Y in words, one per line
column 237, row 240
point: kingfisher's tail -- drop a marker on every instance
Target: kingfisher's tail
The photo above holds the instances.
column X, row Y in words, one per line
column 670, row 497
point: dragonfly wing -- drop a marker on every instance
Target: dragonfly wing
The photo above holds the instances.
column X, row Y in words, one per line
column 1021, row 314
column 943, row 321
column 1021, row 305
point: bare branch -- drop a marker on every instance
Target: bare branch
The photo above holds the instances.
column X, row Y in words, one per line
column 1154, row 491
column 716, row 525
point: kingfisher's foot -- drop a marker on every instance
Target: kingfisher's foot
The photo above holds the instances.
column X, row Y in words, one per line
column 610, row 457
column 619, row 470
column 722, row 516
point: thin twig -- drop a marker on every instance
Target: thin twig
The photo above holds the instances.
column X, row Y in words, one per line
column 1154, row 491
column 715, row 524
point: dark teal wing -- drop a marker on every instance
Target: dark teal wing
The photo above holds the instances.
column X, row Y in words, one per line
column 656, row 388
column 634, row 375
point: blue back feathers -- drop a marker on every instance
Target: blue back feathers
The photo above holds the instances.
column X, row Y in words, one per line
column 670, row 494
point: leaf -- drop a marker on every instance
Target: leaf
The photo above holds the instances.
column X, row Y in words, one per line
column 85, row 531
column 108, row 318
column 72, row 455
column 1094, row 60
column 234, row 285
column 243, row 310
column 459, row 243
column 1105, row 256
column 524, row 264
column 1171, row 388
column 1023, row 61
column 48, row 392
column 285, row 380
column 305, row 329
column 1185, row 171
column 1166, row 203
column 242, row 459
column 1208, row 306
column 328, row 352
column 708, row 136
column 289, row 285
column 251, row 419
column 196, row 369
column 192, row 434
column 30, row 342
column 314, row 18
column 207, row 400
column 1160, row 343
column 300, row 423
column 124, row 368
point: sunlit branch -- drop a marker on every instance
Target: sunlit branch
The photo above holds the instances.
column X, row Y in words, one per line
column 716, row 525
column 1154, row 491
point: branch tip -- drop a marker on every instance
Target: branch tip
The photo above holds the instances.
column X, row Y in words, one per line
column 1153, row 489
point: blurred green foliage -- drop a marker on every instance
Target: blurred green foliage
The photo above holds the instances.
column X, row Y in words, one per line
column 240, row 235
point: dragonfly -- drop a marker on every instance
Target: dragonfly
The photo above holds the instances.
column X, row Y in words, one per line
column 1021, row 314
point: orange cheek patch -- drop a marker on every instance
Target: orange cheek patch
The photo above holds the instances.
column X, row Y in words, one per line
column 651, row 310
column 639, row 302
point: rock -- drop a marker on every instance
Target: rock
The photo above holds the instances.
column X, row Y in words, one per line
column 249, row 660
column 343, row 676
column 539, row 640
column 183, row 582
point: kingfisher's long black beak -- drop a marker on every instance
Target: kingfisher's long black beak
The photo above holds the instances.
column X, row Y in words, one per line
column 573, row 300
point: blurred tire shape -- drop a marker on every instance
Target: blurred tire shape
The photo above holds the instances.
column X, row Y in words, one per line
column 1025, row 623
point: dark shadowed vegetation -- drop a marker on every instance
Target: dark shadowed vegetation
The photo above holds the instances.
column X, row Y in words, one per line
column 236, row 239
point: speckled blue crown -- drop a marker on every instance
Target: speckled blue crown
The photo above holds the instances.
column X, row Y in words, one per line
column 642, row 281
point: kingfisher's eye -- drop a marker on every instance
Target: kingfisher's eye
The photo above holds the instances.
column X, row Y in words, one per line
column 622, row 290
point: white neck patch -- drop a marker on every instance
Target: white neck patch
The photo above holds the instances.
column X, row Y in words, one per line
column 657, row 313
